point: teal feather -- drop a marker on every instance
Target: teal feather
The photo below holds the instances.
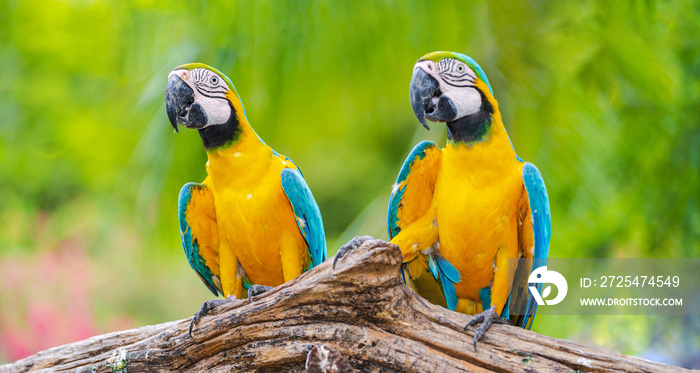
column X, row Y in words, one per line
column 307, row 213
column 449, row 270
column 432, row 264
column 539, row 208
column 448, row 288
column 246, row 283
column 485, row 296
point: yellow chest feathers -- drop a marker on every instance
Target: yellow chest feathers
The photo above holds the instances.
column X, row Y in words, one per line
column 477, row 195
column 254, row 216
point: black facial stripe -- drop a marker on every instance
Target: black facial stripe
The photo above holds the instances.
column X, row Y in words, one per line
column 196, row 74
column 465, row 83
column 447, row 65
column 214, row 91
column 202, row 79
column 222, row 97
column 459, row 76
column 448, row 68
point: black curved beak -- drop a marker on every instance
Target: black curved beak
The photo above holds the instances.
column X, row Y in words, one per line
column 180, row 105
column 427, row 99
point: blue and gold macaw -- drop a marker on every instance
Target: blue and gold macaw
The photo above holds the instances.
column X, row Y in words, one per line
column 253, row 223
column 460, row 213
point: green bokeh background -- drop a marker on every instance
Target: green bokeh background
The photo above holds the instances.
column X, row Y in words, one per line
column 604, row 97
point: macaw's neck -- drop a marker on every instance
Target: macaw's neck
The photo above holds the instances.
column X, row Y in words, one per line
column 483, row 162
column 474, row 128
column 222, row 135
column 242, row 161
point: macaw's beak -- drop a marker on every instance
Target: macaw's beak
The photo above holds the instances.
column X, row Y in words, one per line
column 427, row 100
column 180, row 105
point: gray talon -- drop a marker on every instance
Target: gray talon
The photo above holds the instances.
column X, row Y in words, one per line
column 486, row 318
column 350, row 246
column 256, row 290
column 206, row 307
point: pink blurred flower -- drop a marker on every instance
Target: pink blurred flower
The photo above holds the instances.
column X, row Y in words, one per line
column 47, row 300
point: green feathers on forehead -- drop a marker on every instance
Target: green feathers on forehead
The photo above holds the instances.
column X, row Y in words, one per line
column 437, row 56
column 197, row 65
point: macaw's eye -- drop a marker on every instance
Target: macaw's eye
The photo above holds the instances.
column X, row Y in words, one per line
column 214, row 80
column 460, row 68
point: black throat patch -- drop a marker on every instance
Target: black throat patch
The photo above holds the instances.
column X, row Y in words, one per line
column 221, row 135
column 472, row 128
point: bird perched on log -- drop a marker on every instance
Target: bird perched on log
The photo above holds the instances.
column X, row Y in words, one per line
column 461, row 212
column 253, row 222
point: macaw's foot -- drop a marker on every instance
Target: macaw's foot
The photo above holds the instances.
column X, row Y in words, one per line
column 256, row 290
column 206, row 307
column 486, row 318
column 350, row 246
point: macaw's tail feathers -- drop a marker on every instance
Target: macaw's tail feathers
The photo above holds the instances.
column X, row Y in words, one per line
column 448, row 287
column 521, row 306
column 449, row 276
column 448, row 270
column 442, row 272
column 417, row 267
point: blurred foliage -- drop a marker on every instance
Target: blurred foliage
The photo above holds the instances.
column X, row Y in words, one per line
column 604, row 97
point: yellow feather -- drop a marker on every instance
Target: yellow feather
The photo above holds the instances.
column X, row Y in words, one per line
column 478, row 196
column 256, row 224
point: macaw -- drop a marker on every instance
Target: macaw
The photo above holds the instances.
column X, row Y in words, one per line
column 253, row 223
column 459, row 214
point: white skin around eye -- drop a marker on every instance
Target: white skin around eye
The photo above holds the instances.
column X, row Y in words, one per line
column 466, row 100
column 217, row 109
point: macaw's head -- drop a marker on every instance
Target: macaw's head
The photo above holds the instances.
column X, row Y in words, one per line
column 451, row 88
column 201, row 97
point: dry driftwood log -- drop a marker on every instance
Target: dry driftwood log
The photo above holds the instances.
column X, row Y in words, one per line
column 360, row 311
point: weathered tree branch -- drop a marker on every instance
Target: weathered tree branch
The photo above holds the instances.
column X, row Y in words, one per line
column 361, row 309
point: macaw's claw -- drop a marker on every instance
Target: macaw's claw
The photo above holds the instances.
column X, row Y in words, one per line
column 206, row 307
column 486, row 318
column 255, row 290
column 350, row 246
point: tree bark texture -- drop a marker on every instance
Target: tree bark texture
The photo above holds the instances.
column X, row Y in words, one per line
column 359, row 313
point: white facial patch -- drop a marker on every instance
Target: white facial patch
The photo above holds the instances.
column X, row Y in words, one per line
column 218, row 111
column 456, row 83
column 467, row 101
column 209, row 92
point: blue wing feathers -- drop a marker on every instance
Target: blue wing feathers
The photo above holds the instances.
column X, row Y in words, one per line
column 539, row 208
column 189, row 244
column 307, row 213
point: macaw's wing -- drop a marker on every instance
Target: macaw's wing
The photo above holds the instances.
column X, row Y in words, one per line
column 306, row 212
column 539, row 208
column 200, row 234
column 539, row 231
column 413, row 191
column 430, row 275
